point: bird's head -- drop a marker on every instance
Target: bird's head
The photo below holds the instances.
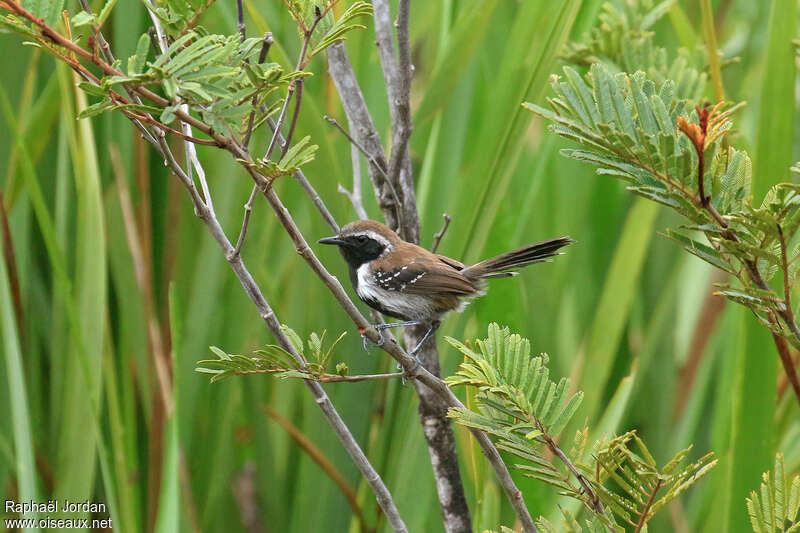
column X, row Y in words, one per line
column 363, row 241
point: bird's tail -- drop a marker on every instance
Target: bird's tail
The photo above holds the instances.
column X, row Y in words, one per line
column 503, row 265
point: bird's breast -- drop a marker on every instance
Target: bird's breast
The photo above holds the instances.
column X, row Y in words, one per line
column 392, row 302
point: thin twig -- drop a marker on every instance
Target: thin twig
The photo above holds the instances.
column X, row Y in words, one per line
column 322, row 377
column 378, row 165
column 643, row 517
column 354, row 195
column 595, row 503
column 266, row 43
column 437, row 237
column 240, row 20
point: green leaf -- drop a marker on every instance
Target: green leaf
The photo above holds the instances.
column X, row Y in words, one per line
column 342, row 26
column 82, row 18
column 96, row 109
column 136, row 63
column 106, row 11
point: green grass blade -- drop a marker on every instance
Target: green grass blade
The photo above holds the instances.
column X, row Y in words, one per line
column 618, row 293
column 76, row 463
column 20, row 415
column 776, row 125
column 752, row 427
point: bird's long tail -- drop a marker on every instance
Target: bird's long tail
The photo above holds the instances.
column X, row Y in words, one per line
column 503, row 265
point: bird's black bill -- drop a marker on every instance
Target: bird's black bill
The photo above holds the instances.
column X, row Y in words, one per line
column 331, row 240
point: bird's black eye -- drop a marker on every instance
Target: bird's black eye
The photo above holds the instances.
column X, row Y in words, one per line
column 361, row 239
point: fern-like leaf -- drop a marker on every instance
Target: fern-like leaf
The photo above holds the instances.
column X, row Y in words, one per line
column 777, row 506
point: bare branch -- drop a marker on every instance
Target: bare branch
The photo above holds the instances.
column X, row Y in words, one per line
column 437, row 237
column 240, row 20
column 354, row 195
column 364, row 131
column 372, row 159
column 323, row 377
column 397, row 76
column 266, row 43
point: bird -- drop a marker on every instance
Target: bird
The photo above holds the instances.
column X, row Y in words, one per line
column 407, row 282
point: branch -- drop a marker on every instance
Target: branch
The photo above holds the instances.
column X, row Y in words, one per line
column 354, row 195
column 240, row 20
column 397, row 76
column 364, row 132
column 437, row 237
column 596, row 503
column 643, row 517
column 371, row 158
column 320, row 377
column 266, row 43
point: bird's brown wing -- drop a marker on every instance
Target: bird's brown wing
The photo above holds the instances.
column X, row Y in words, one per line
column 424, row 273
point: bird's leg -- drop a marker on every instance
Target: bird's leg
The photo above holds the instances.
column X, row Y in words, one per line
column 387, row 325
column 415, row 352
column 404, row 324
column 417, row 348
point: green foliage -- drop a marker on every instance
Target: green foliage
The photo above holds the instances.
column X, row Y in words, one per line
column 630, row 125
column 335, row 32
column 275, row 360
column 526, row 412
column 641, row 488
column 570, row 524
column 179, row 16
column 623, row 42
column 217, row 76
column 778, row 503
column 299, row 154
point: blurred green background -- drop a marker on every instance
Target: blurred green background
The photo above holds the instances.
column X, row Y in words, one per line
column 625, row 313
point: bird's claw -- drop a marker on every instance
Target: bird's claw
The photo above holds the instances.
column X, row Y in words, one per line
column 408, row 373
column 366, row 341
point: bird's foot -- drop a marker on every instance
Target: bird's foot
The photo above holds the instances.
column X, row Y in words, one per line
column 408, row 373
column 366, row 341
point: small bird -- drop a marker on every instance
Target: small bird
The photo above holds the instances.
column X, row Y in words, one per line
column 405, row 281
